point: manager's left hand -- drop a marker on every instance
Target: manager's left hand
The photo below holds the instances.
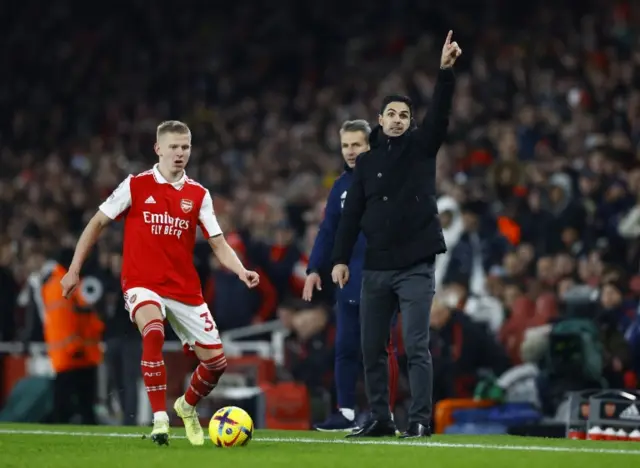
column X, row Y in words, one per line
column 450, row 52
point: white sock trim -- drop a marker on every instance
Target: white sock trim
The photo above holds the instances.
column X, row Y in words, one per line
column 160, row 416
column 348, row 413
column 186, row 405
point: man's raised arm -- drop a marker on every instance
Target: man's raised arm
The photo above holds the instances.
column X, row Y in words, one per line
column 433, row 130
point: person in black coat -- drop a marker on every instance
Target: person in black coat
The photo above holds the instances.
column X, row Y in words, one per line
column 392, row 199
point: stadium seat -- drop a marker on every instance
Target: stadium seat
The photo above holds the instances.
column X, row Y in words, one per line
column 288, row 406
column 444, row 409
column 257, row 369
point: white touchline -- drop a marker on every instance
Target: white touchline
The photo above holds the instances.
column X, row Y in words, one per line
column 300, row 440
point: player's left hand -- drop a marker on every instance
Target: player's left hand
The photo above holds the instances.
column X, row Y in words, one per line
column 450, row 52
column 250, row 278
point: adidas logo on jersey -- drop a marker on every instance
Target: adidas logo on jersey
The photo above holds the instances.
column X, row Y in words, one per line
column 631, row 413
column 150, row 200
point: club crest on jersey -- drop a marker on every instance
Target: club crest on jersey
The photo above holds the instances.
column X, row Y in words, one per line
column 186, row 205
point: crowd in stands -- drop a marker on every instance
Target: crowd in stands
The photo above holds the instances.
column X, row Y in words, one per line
column 539, row 181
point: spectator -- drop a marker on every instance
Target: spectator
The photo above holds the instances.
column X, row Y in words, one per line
column 309, row 347
column 467, row 347
column 615, row 316
column 452, row 229
column 225, row 293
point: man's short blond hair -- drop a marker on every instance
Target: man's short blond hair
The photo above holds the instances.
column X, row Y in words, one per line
column 172, row 126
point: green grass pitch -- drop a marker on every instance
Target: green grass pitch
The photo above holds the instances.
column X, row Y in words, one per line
column 43, row 446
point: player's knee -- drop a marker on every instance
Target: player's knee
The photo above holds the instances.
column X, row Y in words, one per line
column 213, row 360
column 145, row 314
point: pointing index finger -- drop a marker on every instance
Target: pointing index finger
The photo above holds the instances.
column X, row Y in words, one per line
column 448, row 40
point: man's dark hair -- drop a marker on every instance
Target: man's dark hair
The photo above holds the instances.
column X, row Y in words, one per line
column 475, row 207
column 396, row 98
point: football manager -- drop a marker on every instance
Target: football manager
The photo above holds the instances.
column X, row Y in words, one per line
column 392, row 200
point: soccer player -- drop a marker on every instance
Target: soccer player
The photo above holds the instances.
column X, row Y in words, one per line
column 161, row 209
column 354, row 139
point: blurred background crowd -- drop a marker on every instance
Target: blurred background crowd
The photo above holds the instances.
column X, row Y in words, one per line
column 539, row 180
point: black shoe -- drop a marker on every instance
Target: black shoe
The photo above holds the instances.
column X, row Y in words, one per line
column 375, row 428
column 416, row 430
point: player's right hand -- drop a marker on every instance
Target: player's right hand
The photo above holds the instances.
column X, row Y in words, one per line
column 312, row 282
column 69, row 283
column 250, row 278
column 340, row 275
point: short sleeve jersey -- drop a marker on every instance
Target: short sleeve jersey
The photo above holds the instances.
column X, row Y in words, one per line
column 160, row 222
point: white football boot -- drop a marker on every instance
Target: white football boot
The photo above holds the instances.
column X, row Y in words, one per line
column 190, row 420
column 160, row 432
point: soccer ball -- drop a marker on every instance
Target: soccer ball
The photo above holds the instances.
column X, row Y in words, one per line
column 231, row 427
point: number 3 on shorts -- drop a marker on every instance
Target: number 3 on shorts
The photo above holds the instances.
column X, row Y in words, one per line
column 208, row 321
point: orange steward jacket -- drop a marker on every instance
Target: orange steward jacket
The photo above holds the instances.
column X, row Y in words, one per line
column 72, row 327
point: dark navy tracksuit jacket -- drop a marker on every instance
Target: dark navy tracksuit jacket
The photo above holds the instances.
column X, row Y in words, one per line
column 320, row 257
column 347, row 346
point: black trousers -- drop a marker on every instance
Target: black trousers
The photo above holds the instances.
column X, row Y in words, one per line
column 123, row 366
column 74, row 393
column 383, row 292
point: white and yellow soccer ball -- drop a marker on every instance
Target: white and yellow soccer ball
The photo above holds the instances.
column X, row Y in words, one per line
column 231, row 427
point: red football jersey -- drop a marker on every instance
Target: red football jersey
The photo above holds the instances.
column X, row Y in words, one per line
column 160, row 225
